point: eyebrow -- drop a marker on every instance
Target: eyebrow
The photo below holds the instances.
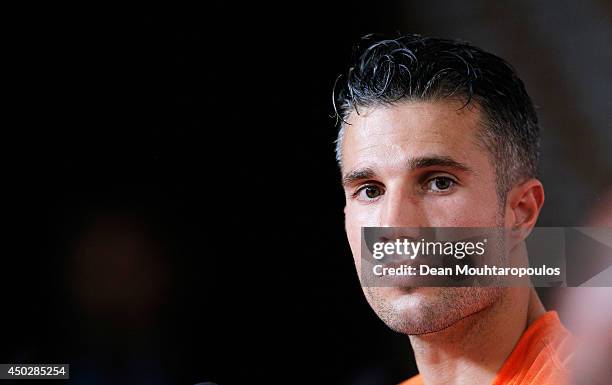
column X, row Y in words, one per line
column 412, row 164
column 358, row 175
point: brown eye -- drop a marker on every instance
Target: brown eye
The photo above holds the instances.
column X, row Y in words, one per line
column 369, row 193
column 372, row 192
column 440, row 184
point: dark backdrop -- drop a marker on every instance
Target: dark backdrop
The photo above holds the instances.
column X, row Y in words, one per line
column 174, row 210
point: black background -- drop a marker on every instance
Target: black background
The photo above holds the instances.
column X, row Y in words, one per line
column 206, row 137
column 213, row 127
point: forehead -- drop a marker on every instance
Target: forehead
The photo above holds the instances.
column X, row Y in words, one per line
column 396, row 133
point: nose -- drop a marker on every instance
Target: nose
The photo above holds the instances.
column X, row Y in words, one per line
column 401, row 208
column 402, row 215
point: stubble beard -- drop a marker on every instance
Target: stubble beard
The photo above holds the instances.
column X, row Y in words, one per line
column 419, row 311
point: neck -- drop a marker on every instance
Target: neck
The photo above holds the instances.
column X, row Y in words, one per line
column 472, row 350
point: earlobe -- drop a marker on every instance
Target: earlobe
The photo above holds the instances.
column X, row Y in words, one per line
column 525, row 202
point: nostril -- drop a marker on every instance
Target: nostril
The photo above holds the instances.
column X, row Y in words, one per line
column 387, row 239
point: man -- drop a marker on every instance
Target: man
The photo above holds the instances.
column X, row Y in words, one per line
column 439, row 133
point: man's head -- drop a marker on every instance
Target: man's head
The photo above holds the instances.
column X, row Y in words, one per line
column 434, row 133
column 414, row 68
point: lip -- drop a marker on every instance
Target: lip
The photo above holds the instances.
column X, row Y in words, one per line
column 404, row 281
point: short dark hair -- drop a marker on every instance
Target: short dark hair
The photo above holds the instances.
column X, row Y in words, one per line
column 420, row 68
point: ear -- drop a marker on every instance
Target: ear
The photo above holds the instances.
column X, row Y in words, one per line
column 523, row 205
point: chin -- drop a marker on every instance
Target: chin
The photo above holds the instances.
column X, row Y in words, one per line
column 423, row 310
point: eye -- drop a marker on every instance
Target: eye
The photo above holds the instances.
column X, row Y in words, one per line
column 368, row 193
column 440, row 184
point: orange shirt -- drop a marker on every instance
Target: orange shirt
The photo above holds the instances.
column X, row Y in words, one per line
column 540, row 356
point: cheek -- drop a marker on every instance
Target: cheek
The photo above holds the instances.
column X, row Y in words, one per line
column 462, row 210
column 352, row 227
column 357, row 216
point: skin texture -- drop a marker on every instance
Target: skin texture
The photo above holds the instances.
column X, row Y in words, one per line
column 420, row 164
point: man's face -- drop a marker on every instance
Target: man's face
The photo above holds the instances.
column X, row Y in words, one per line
column 419, row 164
